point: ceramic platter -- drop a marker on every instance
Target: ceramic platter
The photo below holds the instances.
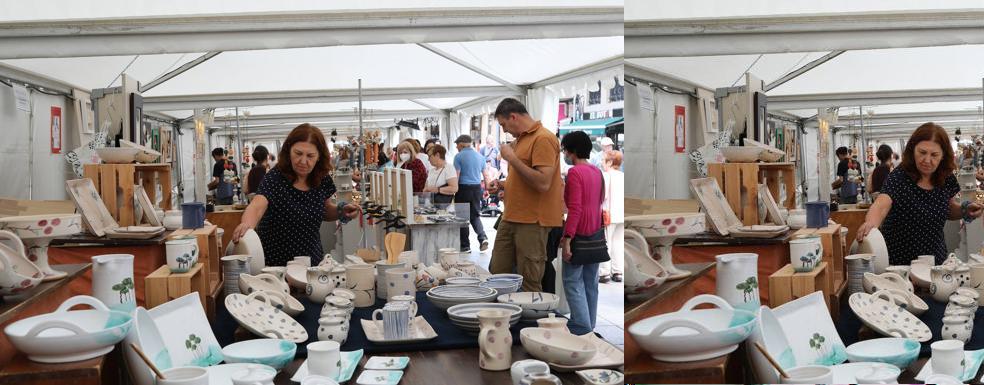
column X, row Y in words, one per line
column 264, row 319
column 421, row 331
column 807, row 319
column 847, row 373
column 888, row 318
column 386, row 363
column 180, row 319
column 973, row 358
column 607, row 356
column 601, row 376
column 379, row 377
column 349, row 362
column 146, row 206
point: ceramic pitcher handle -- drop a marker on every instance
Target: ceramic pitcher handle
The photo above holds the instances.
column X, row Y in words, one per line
column 18, row 245
column 259, row 296
column 706, row 298
column 82, row 300
column 886, row 294
column 681, row 323
column 54, row 324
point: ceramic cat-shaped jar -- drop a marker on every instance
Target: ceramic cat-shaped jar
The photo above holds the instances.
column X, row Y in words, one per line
column 333, row 329
column 957, row 328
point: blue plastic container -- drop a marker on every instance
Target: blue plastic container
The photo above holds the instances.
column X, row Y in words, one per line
column 192, row 215
column 817, row 214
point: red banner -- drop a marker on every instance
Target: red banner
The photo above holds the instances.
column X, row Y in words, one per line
column 680, row 129
column 56, row 130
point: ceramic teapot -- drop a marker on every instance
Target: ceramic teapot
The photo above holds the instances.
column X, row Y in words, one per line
column 17, row 273
column 319, row 284
column 945, row 279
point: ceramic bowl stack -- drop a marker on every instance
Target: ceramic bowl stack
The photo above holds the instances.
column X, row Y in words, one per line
column 446, row 296
column 465, row 316
column 535, row 304
column 504, row 283
column 275, row 353
column 857, row 265
column 68, row 336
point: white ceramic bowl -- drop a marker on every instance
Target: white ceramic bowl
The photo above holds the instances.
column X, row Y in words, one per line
column 274, row 352
column 117, row 154
column 769, row 153
column 693, row 335
column 900, row 352
column 557, row 347
column 463, row 281
column 503, row 287
column 534, row 304
column 68, row 336
column 446, row 296
column 146, row 154
column 746, row 154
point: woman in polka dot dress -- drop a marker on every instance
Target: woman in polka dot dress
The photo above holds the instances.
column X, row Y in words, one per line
column 293, row 199
column 918, row 197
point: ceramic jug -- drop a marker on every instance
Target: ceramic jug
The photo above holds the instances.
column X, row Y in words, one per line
column 381, row 268
column 943, row 282
column 737, row 280
column 232, row 267
column 521, row 368
column 182, row 254
column 957, row 328
column 319, row 284
column 17, row 273
column 362, row 281
column 112, row 281
column 494, row 340
column 333, row 329
column 805, row 253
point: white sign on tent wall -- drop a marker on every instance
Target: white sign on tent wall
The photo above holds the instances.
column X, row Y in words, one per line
column 21, row 98
column 646, row 97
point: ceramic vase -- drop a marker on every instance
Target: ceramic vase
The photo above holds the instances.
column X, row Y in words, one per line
column 319, row 284
column 232, row 267
column 362, row 281
column 381, row 268
column 112, row 281
column 400, row 282
column 944, row 282
column 182, row 254
column 737, row 280
column 805, row 253
column 857, row 265
column 494, row 340
column 19, row 273
column 333, row 329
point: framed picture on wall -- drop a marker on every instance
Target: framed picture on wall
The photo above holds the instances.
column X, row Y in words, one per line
column 56, row 130
column 137, row 134
column 167, row 149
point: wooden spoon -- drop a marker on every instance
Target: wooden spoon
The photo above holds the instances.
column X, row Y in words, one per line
column 147, row 361
column 771, row 360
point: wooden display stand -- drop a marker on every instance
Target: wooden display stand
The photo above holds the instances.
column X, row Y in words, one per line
column 786, row 284
column 209, row 251
column 109, row 178
column 739, row 182
column 163, row 285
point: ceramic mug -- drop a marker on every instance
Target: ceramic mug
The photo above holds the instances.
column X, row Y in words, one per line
column 381, row 268
column 805, row 253
column 254, row 374
column 362, row 282
column 396, row 321
column 809, row 374
column 408, row 300
column 468, row 267
column 521, row 368
column 948, row 357
column 185, row 375
column 182, row 254
column 324, row 358
column 400, row 282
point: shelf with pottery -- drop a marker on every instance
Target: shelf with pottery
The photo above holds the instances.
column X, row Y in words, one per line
column 740, row 181
column 108, row 178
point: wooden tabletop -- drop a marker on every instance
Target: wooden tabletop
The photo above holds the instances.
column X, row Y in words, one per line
column 635, row 306
column 10, row 306
column 439, row 367
column 715, row 238
column 85, row 238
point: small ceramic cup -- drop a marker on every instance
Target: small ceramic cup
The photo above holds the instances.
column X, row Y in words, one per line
column 408, row 300
column 809, row 374
column 185, row 375
column 324, row 358
column 948, row 357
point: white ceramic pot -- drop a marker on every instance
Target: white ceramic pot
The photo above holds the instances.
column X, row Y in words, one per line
column 957, row 328
column 172, row 219
column 400, row 282
column 809, row 374
column 796, row 219
column 254, row 374
column 333, row 329
column 805, row 253
column 19, row 273
column 362, row 281
column 944, row 282
column 737, row 280
column 522, row 368
column 112, row 281
column 948, row 357
column 324, row 358
column 319, row 284
column 182, row 254
column 494, row 340
column 381, row 268
column 185, row 375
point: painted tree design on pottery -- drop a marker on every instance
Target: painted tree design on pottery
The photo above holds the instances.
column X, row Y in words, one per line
column 185, row 260
column 816, row 343
column 193, row 343
column 748, row 287
column 125, row 289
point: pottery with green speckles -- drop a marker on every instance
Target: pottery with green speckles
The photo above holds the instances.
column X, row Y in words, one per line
column 68, row 336
column 276, row 353
column 900, row 352
column 692, row 335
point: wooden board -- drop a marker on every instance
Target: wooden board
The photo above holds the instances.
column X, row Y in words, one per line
column 163, row 286
column 95, row 215
column 140, row 193
column 711, row 198
column 770, row 205
column 787, row 285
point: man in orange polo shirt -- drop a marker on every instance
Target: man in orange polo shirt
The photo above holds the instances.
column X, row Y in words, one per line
column 534, row 195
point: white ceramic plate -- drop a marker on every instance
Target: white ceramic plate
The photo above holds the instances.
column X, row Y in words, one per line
column 249, row 244
column 847, row 373
column 386, row 363
column 264, row 319
column 350, row 361
column 178, row 320
column 887, row 318
column 421, row 331
column 973, row 359
column 379, row 377
column 806, row 319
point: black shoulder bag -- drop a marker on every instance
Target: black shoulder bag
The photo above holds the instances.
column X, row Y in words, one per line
column 592, row 248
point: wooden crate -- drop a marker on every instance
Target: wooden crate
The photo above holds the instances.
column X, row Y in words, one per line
column 786, row 284
column 833, row 250
column 214, row 295
column 739, row 182
column 209, row 251
column 163, row 286
column 111, row 179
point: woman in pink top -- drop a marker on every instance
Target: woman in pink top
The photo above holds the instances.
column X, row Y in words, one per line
column 584, row 235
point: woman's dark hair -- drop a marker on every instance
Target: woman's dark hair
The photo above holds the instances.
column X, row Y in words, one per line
column 935, row 133
column 438, row 150
column 383, row 159
column 218, row 151
column 430, row 141
column 884, row 153
column 841, row 150
column 578, row 143
column 310, row 134
column 260, row 155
